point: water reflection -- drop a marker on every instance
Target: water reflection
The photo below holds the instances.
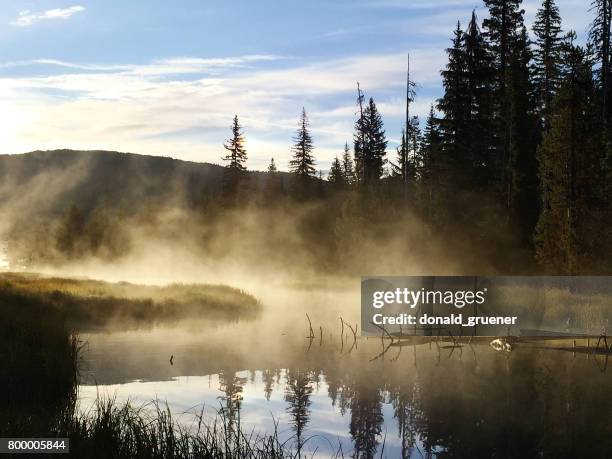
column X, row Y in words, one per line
column 419, row 399
column 524, row 404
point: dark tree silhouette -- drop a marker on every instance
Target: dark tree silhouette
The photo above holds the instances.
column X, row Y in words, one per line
column 373, row 146
column 547, row 54
column 303, row 163
column 297, row 395
column 231, row 385
column 348, row 167
column 599, row 37
column 237, row 155
column 366, row 420
column 567, row 155
column 336, row 174
column 236, row 158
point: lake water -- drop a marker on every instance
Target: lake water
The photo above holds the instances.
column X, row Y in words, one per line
column 416, row 400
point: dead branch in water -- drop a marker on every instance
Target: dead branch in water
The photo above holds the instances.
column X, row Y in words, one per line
column 342, row 336
column 353, row 330
column 311, row 335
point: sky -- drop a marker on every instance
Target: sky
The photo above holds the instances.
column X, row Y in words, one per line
column 166, row 77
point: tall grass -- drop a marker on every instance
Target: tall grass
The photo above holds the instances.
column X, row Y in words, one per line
column 112, row 430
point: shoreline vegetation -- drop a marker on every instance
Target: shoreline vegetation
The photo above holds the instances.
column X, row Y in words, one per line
column 86, row 304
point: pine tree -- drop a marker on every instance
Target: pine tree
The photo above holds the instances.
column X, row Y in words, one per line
column 375, row 146
column 272, row 167
column 405, row 166
column 431, row 161
column 522, row 183
column 273, row 187
column 348, row 169
column 546, row 56
column 501, row 29
column 237, row 155
column 399, row 169
column 455, row 106
column 479, row 86
column 413, row 138
column 433, row 170
column 303, row 162
column 599, row 38
column 336, row 174
column 504, row 21
column 565, row 236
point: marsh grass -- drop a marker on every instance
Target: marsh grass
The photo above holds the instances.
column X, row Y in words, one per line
column 110, row 429
column 89, row 304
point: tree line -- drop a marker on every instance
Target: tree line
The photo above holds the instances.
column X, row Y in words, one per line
column 519, row 140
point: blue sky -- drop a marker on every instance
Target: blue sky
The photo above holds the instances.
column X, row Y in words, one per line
column 165, row 78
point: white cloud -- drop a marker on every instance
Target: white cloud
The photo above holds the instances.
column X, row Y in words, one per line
column 163, row 108
column 159, row 67
column 27, row 18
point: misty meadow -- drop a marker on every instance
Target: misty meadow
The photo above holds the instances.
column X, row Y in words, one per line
column 158, row 307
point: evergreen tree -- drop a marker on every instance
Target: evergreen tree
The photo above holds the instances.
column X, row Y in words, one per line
column 479, row 85
column 522, row 183
column 375, row 146
column 430, row 152
column 400, row 169
column 546, row 56
column 303, row 162
column 237, row 155
column 502, row 28
column 454, row 105
column 348, row 169
column 565, row 236
column 273, row 187
column 433, row 170
column 413, row 138
column 599, row 37
column 336, row 174
column 407, row 151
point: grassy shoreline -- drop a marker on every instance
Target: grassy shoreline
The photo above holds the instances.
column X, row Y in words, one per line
column 87, row 304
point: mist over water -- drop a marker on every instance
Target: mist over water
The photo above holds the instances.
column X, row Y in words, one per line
column 341, row 392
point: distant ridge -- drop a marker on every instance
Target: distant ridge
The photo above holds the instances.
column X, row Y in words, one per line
column 48, row 182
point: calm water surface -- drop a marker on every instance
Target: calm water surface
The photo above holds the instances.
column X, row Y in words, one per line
column 421, row 399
